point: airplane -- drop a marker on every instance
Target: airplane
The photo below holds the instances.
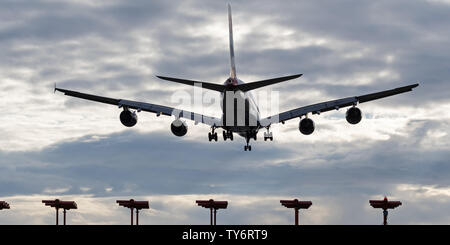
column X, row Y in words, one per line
column 240, row 113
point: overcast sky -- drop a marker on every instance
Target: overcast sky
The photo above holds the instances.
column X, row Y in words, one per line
column 54, row 146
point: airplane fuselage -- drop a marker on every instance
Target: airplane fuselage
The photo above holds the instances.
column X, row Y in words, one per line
column 240, row 113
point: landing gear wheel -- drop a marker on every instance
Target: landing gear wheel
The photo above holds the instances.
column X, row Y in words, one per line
column 227, row 135
column 212, row 135
column 268, row 135
column 245, row 148
column 268, row 138
column 249, row 148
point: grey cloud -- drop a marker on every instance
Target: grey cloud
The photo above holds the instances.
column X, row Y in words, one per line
column 160, row 163
column 156, row 163
column 120, row 20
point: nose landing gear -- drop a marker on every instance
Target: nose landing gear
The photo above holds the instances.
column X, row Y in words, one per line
column 247, row 146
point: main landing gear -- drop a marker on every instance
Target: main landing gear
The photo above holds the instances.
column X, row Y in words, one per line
column 227, row 135
column 268, row 135
column 212, row 135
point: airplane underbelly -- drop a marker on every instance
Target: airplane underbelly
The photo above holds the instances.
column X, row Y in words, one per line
column 239, row 113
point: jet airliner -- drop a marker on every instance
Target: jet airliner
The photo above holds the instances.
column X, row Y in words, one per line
column 240, row 113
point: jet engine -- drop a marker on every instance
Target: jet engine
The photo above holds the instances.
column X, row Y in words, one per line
column 306, row 126
column 178, row 128
column 353, row 115
column 128, row 118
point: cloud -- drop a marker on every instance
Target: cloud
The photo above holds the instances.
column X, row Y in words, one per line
column 162, row 165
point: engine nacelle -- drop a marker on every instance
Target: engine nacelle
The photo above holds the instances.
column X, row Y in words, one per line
column 306, row 126
column 353, row 115
column 178, row 128
column 128, row 118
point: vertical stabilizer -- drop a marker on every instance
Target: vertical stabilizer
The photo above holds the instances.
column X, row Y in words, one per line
column 230, row 24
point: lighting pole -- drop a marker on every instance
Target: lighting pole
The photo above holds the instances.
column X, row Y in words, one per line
column 385, row 205
column 57, row 204
column 4, row 205
column 213, row 207
column 132, row 204
column 296, row 205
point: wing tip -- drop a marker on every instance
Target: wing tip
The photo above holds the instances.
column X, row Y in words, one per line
column 59, row 90
column 410, row 87
column 164, row 78
column 295, row 76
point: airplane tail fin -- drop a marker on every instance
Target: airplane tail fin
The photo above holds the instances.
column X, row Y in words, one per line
column 243, row 87
column 230, row 27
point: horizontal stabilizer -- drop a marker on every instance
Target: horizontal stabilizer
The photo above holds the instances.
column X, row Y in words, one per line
column 221, row 88
column 206, row 85
column 254, row 85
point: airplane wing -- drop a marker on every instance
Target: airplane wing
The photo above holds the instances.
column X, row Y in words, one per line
column 142, row 106
column 333, row 105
